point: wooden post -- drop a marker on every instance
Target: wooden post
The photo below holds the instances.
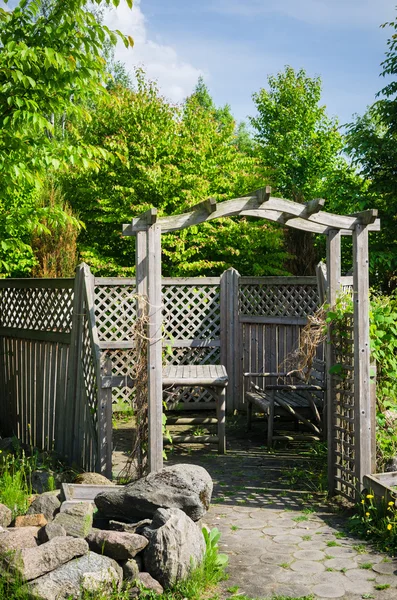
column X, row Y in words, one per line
column 66, row 422
column 155, row 344
column 362, row 384
column 230, row 352
column 333, row 280
column 104, row 458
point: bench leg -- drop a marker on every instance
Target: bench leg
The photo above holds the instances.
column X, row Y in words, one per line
column 221, row 415
column 249, row 416
column 270, row 422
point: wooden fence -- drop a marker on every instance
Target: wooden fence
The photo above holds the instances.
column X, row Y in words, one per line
column 67, row 352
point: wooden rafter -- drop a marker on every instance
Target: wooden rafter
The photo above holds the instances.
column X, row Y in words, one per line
column 308, row 217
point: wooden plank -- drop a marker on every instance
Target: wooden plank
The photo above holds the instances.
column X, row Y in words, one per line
column 32, row 334
column 229, row 334
column 84, row 492
column 362, row 383
column 192, row 439
column 333, row 280
column 155, row 321
column 53, row 284
column 307, row 280
column 105, row 424
column 141, row 223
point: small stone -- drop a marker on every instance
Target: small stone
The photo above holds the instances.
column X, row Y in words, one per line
column 50, row 531
column 119, row 545
column 31, row 563
column 48, row 504
column 92, row 479
column 5, row 516
column 131, row 568
column 386, row 568
column 15, row 538
column 79, row 508
column 31, row 520
column 76, row 520
column 149, row 583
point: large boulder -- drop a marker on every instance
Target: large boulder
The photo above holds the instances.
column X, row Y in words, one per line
column 176, row 545
column 187, row 487
column 119, row 545
column 31, row 563
column 91, row 573
column 76, row 519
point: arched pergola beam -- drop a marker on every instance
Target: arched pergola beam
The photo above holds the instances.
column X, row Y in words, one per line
column 308, row 217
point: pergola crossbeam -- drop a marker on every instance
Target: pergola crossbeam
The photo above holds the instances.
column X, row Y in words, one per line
column 307, row 217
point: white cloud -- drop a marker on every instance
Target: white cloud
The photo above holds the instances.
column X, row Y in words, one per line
column 176, row 77
column 341, row 13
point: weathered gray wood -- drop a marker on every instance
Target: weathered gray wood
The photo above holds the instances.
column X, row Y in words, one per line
column 105, row 424
column 229, row 333
column 321, row 274
column 32, row 334
column 333, row 281
column 191, row 439
column 67, row 422
column 141, row 223
column 366, row 217
column 362, row 383
column 306, row 280
column 83, row 492
column 155, row 389
column 274, row 320
column 191, row 421
column 55, row 284
column 221, row 416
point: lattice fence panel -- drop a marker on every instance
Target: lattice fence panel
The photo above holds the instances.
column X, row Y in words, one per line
column 191, row 312
column 41, row 308
column 115, row 312
column 278, row 300
column 344, row 408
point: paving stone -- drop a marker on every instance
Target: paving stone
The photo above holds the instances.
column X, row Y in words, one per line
column 309, row 555
column 276, row 559
column 340, row 563
column 284, row 523
column 386, row 579
column 293, row 590
column 309, row 525
column 244, row 559
column 285, row 539
column 307, row 566
column 358, row 587
column 386, row 568
column 311, row 545
column 360, row 574
column 246, row 509
column 340, row 552
column 251, row 523
column 288, row 576
column 328, row 590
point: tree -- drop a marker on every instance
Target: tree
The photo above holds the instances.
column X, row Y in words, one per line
column 372, row 145
column 51, row 66
column 299, row 145
column 170, row 157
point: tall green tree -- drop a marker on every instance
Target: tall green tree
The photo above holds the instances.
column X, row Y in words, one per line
column 299, row 145
column 169, row 157
column 51, row 66
column 372, row 144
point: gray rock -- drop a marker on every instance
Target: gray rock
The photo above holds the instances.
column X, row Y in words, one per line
column 150, row 583
column 5, row 516
column 48, row 504
column 15, row 538
column 91, row 572
column 31, row 563
column 131, row 568
column 77, row 507
column 129, row 527
column 391, row 465
column 175, row 546
column 119, row 545
column 92, row 479
column 187, row 487
column 76, row 519
column 50, row 531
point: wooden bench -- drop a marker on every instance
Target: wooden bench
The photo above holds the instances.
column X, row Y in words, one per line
column 288, row 394
column 215, row 379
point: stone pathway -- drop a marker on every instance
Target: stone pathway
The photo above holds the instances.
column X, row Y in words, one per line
column 281, row 537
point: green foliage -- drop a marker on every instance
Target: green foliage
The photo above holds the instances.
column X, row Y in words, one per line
column 383, row 340
column 298, row 143
column 169, row 157
column 15, row 487
column 377, row 522
column 51, row 68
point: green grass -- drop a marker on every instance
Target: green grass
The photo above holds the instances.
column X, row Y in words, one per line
column 382, row 586
column 332, row 544
column 366, row 565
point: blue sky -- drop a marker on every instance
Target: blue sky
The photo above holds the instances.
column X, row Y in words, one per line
column 235, row 45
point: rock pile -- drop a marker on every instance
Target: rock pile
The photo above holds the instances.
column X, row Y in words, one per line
column 148, row 535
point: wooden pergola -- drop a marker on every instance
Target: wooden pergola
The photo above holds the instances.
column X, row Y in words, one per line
column 310, row 217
